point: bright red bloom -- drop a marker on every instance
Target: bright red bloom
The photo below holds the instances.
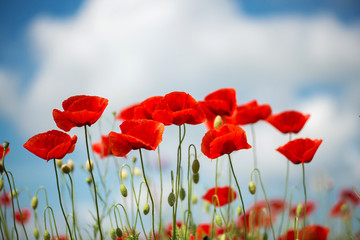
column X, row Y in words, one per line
column 349, row 195
column 225, row 195
column 102, row 148
column 5, row 199
column 288, row 121
column 79, row 110
column 51, row 144
column 313, row 232
column 136, row 134
column 251, row 112
column 178, row 108
column 2, row 151
column 221, row 102
column 301, row 150
column 25, row 213
column 310, row 208
column 223, row 140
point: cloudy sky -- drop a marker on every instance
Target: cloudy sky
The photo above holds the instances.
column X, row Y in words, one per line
column 301, row 56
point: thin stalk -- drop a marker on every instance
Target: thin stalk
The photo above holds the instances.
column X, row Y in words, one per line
column 73, row 205
column 254, row 157
column 213, row 218
column 52, row 212
column 189, row 189
column 161, row 189
column 304, row 221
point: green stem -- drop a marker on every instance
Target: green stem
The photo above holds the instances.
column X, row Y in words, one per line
column 189, row 190
column 93, row 180
column 52, row 212
column 242, row 201
column 304, row 220
column 161, row 189
column 213, row 218
column 73, row 205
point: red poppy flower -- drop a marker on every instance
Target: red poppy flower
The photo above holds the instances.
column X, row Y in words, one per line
column 136, row 134
column 221, row 102
column 5, row 199
column 51, row 144
column 276, row 206
column 301, row 150
column 127, row 113
column 340, row 209
column 61, row 237
column 288, row 121
column 25, row 213
column 310, row 208
column 102, row 148
column 225, row 195
column 79, row 110
column 2, row 151
column 178, row 108
column 314, row 232
column 223, row 140
column 251, row 112
column 349, row 195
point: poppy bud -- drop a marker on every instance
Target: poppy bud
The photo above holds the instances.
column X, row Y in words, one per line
column 6, row 144
column 238, row 210
column 112, row 234
column 265, row 236
column 123, row 174
column 344, row 208
column 207, row 207
column 1, row 184
column 36, row 233
column 46, row 235
column 58, row 162
column 218, row 220
column 133, row 159
column 118, row 232
column 90, row 166
column 252, row 187
column 70, row 163
column 137, row 172
column 34, row 202
column 123, row 190
column 88, row 180
column 299, row 209
column 196, row 178
column 65, row 169
column 146, row 209
column 171, row 199
column 14, row 193
column 218, row 121
column 1, row 167
column 195, row 166
column 182, row 194
column 194, row 199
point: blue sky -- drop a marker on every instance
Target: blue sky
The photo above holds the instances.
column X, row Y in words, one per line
column 301, row 55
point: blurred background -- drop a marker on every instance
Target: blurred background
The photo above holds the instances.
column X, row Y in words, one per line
column 299, row 55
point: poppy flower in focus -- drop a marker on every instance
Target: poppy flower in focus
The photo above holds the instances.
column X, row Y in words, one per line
column 221, row 102
column 2, row 151
column 136, row 134
column 349, row 195
column 223, row 140
column 310, row 208
column 288, row 121
column 5, row 199
column 301, row 150
column 102, row 148
column 313, row 232
column 250, row 113
column 51, row 144
column 25, row 214
column 79, row 111
column 225, row 195
column 178, row 108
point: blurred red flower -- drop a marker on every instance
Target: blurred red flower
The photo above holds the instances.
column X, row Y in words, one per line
column 25, row 214
column 169, row 228
column 310, row 208
column 204, row 229
column 349, row 195
column 61, row 237
column 251, row 112
column 102, row 148
column 136, row 134
column 223, row 140
column 5, row 199
column 288, row 121
column 225, row 195
column 2, row 151
column 301, row 150
column 143, row 110
column 79, row 110
column 51, row 144
column 340, row 209
column 313, row 232
column 178, row 108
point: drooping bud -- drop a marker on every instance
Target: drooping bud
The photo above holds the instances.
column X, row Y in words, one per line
column 195, row 166
column 65, row 169
column 252, row 187
column 123, row 190
column 299, row 209
column 34, row 202
column 146, row 208
column 58, row 162
column 36, row 233
column 118, row 232
column 46, row 235
column 196, row 178
column 137, row 172
column 90, row 166
column 194, row 199
column 218, row 121
column 171, row 199
column 238, row 211
column 6, row 144
column 88, row 180
column 218, row 220
column 70, row 163
column 182, row 194
column 112, row 234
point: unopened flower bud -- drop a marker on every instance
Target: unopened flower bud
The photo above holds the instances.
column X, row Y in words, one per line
column 171, row 199
column 88, row 180
column 112, row 233
column 134, row 159
column 182, row 194
column 1, row 184
column 14, row 193
column 36, row 233
column 6, row 144
column 218, row 220
column 299, row 209
column 194, row 199
column 90, row 166
column 123, row 190
column 252, row 187
column 238, row 210
column 195, row 166
column 123, row 174
column 70, row 163
column 34, row 202
column 196, row 178
column 46, row 235
column 137, row 172
column 58, row 162
column 65, row 169
column 207, row 207
column 146, row 209
column 118, row 232
column 344, row 208
column 218, row 121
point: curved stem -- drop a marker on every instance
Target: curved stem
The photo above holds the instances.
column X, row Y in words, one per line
column 52, row 212
column 303, row 170
column 93, row 180
column 47, row 204
column 242, row 201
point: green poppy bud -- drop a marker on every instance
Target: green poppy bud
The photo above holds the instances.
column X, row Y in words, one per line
column 88, row 180
column 123, row 190
column 90, row 166
column 195, row 166
column 70, row 163
column 146, row 209
column 6, row 144
column 112, row 233
column 218, row 220
column 1, row 184
column 171, row 199
column 65, row 169
column 207, row 207
column 36, row 233
column 58, row 162
column 252, row 187
column 218, row 121
column 196, row 178
column 34, row 202
column 118, row 232
column 344, row 208
column 182, row 194
column 194, row 199
column 238, row 210
column 133, row 159
column 299, row 209
column 46, row 235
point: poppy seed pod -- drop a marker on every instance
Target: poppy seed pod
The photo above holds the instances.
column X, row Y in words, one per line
column 90, row 166
column 196, row 178
column 112, row 234
column 34, row 202
column 123, row 190
column 146, row 209
column 195, row 166
column 70, row 163
column 171, row 199
column 6, row 144
column 182, row 194
column 36, row 233
column 218, row 220
column 252, row 187
column 46, row 235
column 299, row 209
column 218, row 121
column 118, row 232
column 65, row 169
